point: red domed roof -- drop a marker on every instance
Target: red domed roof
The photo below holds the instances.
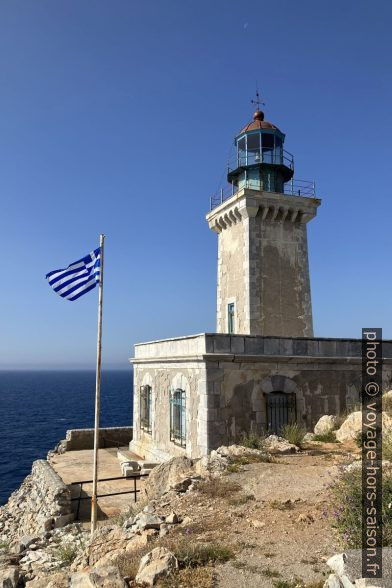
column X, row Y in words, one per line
column 257, row 123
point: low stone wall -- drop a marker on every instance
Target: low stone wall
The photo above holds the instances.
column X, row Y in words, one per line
column 42, row 503
column 84, row 438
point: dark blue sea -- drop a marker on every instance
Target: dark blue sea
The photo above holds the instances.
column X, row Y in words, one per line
column 36, row 409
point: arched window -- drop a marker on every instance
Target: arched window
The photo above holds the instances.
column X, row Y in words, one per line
column 145, row 409
column 178, row 417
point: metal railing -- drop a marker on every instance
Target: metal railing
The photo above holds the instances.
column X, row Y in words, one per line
column 305, row 188
column 274, row 156
column 135, row 490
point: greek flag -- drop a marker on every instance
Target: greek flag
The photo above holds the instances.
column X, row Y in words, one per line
column 78, row 278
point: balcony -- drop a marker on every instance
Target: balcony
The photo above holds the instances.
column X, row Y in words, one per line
column 304, row 188
column 277, row 156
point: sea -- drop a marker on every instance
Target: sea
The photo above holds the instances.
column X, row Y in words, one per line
column 37, row 408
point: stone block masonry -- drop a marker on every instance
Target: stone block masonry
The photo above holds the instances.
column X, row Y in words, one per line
column 230, row 381
column 41, row 503
column 77, row 439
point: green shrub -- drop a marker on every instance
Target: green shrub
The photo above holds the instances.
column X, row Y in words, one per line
column 294, row 433
column 252, row 440
column 190, row 555
column 329, row 437
column 67, row 553
column 347, row 512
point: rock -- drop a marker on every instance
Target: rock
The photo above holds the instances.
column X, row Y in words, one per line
column 60, row 580
column 105, row 540
column 145, row 520
column 258, row 524
column 332, row 582
column 275, row 444
column 348, row 568
column 167, row 476
column 140, row 540
column 353, row 425
column 211, row 465
column 325, row 424
column 164, row 530
column 40, row 504
column 158, row 563
column 238, row 451
column 9, row 577
column 172, row 518
column 187, row 521
column 23, row 543
column 102, row 577
column 367, row 583
column 309, row 437
column 338, row 563
column 350, row 427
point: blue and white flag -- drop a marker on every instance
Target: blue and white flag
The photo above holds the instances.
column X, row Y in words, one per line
column 78, row 278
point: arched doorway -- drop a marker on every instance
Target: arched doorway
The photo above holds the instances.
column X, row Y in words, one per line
column 281, row 411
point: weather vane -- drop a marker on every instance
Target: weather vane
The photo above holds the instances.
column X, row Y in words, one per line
column 258, row 100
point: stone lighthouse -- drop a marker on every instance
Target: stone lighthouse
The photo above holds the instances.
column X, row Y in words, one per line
column 263, row 271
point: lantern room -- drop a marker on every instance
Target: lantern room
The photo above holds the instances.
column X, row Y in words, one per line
column 261, row 162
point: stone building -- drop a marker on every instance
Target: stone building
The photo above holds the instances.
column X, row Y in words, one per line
column 263, row 368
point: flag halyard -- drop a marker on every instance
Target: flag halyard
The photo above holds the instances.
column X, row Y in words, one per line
column 78, row 278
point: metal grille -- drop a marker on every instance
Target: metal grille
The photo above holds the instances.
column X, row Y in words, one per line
column 178, row 417
column 145, row 408
column 281, row 411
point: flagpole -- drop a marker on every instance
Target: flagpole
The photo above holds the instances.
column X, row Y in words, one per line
column 97, row 390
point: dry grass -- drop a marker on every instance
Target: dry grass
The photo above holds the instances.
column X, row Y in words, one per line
column 195, row 577
column 252, row 441
column 294, row 433
column 217, row 488
column 240, row 500
column 279, row 505
column 128, row 563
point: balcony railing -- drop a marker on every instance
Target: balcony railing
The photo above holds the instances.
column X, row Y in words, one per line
column 305, row 188
column 272, row 156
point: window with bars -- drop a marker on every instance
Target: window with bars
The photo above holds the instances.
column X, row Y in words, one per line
column 145, row 409
column 178, row 417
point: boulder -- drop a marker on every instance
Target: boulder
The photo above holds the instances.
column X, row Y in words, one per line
column 211, row 465
column 146, row 520
column 347, row 567
column 99, row 577
column 325, row 424
column 308, row 437
column 140, row 540
column 9, row 577
column 172, row 518
column 332, row 582
column 59, row 580
column 238, row 451
column 279, row 445
column 352, row 426
column 168, row 475
column 105, row 540
column 158, row 563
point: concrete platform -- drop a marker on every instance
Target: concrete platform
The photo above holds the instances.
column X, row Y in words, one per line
column 75, row 466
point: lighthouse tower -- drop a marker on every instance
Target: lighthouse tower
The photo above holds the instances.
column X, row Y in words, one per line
column 263, row 271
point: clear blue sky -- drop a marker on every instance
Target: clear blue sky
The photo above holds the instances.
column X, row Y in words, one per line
column 118, row 116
